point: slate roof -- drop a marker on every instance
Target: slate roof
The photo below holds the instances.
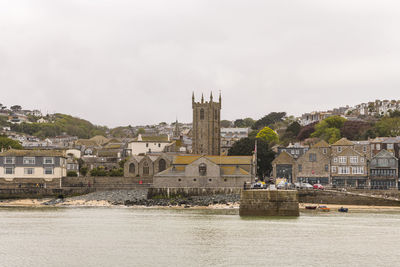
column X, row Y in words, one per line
column 220, row 160
column 33, row 153
column 321, row 144
column 343, row 142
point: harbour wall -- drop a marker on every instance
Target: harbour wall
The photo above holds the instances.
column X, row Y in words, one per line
column 171, row 192
column 344, row 198
column 269, row 203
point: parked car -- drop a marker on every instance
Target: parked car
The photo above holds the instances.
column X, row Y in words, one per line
column 303, row 186
column 285, row 185
column 318, row 186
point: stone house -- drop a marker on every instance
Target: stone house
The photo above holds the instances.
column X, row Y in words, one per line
column 349, row 168
column 384, row 171
column 198, row 171
column 296, row 150
column 284, row 166
column 146, row 166
column 314, row 166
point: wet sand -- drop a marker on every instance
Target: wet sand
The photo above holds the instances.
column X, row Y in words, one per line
column 103, row 203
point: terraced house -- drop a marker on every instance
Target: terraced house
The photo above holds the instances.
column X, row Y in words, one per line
column 384, row 171
column 313, row 166
column 356, row 164
column 30, row 168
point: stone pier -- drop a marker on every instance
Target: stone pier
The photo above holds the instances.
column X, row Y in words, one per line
column 269, row 203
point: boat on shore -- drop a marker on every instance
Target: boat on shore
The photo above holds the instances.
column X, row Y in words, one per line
column 311, row 207
column 324, row 208
column 343, row 209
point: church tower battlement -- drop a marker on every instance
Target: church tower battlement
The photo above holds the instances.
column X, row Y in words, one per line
column 206, row 126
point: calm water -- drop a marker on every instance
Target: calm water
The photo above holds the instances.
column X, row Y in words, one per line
column 152, row 237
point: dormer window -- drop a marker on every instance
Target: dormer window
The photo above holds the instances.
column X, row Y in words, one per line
column 339, row 149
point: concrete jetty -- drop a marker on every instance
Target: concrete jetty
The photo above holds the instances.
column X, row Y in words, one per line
column 269, row 203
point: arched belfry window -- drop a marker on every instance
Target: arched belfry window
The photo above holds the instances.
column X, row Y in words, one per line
column 202, row 169
column 132, row 168
column 216, row 114
column 162, row 165
column 146, row 168
column 201, row 114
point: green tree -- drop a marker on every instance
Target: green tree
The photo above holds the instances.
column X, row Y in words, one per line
column 226, row 124
column 388, row 127
column 329, row 129
column 6, row 143
column 141, row 131
column 268, row 135
column 265, row 156
column 269, row 119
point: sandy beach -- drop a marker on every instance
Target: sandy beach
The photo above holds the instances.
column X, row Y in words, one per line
column 39, row 203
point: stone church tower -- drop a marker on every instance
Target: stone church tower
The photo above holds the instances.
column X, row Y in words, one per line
column 206, row 131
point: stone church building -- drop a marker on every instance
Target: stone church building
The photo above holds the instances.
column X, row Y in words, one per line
column 206, row 126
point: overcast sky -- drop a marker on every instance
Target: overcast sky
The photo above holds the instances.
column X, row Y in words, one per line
column 137, row 62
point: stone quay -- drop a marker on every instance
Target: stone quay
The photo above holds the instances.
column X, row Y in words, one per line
column 269, row 203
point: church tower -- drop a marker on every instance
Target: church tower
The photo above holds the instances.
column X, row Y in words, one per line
column 206, row 132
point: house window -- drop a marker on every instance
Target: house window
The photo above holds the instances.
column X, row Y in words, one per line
column 378, row 146
column 324, row 150
column 389, row 146
column 201, row 114
column 146, row 169
column 147, row 144
column 334, row 159
column 344, row 170
column 202, row 169
column 300, row 168
column 362, row 160
column 364, row 149
column 159, row 145
column 326, row 167
column 48, row 171
column 333, row 168
column 9, row 160
column 132, row 168
column 339, row 149
column 48, row 160
column 313, row 157
column 357, row 170
column 8, row 170
column 29, row 171
column 353, row 159
column 29, row 160
column 342, row 160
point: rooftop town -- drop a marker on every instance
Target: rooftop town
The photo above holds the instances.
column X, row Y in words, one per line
column 198, row 154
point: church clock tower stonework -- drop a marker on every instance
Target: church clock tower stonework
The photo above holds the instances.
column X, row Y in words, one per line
column 206, row 126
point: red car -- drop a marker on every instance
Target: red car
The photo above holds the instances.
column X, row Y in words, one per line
column 318, row 186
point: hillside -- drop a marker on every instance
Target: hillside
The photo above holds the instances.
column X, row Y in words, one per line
column 59, row 124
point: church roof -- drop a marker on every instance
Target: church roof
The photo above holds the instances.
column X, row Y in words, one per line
column 220, row 160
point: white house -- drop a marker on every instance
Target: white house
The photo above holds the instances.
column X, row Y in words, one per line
column 149, row 144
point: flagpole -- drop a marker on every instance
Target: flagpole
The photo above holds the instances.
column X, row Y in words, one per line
column 255, row 163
